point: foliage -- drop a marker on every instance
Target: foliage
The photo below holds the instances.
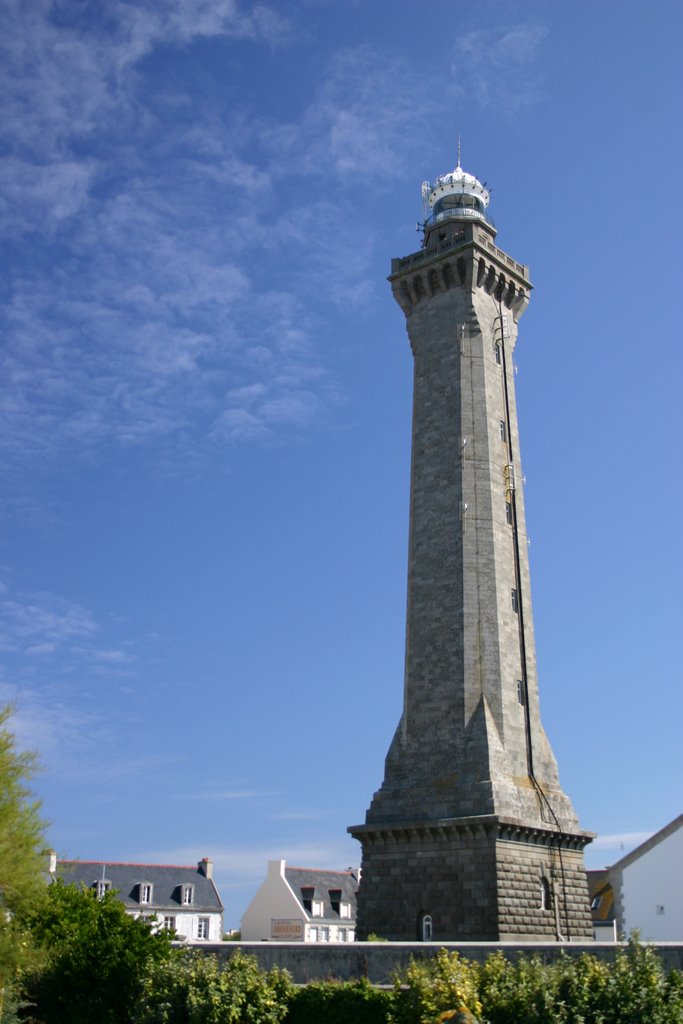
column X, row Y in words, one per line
column 97, row 958
column 22, row 862
column 193, row 988
column 374, row 937
column 337, row 1002
column 634, row 989
column 429, row 989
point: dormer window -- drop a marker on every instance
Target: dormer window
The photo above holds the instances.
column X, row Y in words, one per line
column 339, row 905
column 145, row 892
column 102, row 885
column 187, row 895
column 311, row 904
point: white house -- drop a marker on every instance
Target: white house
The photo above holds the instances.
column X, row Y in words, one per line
column 180, row 898
column 302, row 905
column 648, row 886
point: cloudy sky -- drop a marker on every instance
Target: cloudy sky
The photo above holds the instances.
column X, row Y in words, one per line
column 205, row 401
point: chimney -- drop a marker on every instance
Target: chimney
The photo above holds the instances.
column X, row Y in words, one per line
column 206, row 867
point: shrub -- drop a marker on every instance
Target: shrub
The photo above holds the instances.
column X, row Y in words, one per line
column 96, row 958
column 428, row 989
column 193, row 988
column 635, row 989
column 340, row 1002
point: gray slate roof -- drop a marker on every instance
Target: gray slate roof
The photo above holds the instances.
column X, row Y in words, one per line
column 323, row 883
column 166, row 880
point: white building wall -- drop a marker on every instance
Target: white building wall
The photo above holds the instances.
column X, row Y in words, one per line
column 274, row 899
column 187, row 924
column 652, row 892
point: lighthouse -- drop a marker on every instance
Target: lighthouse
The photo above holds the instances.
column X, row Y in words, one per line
column 470, row 835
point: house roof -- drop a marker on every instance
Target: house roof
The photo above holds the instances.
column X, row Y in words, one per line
column 166, row 881
column 654, row 840
column 601, row 896
column 323, row 883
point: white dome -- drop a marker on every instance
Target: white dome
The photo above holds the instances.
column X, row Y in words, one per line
column 457, row 181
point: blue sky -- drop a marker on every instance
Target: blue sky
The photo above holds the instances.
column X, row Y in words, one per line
column 205, row 395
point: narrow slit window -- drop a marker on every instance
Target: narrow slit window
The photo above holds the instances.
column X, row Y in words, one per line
column 508, row 513
column 499, row 358
column 520, row 691
column 515, row 600
column 503, row 431
column 546, row 895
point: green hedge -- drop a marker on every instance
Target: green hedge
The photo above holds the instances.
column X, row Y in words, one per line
column 185, row 987
column 330, row 1002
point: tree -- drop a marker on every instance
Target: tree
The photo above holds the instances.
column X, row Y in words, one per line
column 22, row 856
column 97, row 958
column 193, row 988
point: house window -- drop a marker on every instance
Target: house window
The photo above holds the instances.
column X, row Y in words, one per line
column 324, row 934
column 312, row 905
column 339, row 906
column 187, row 895
column 102, row 886
column 546, row 895
column 515, row 602
column 660, row 908
column 503, row 431
column 202, row 927
column 335, row 899
column 508, row 513
column 426, row 928
column 341, row 934
column 169, row 923
column 313, row 934
column 520, row 691
column 145, row 892
column 498, row 353
column 307, row 894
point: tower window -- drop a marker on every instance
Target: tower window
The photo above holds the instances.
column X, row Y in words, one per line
column 546, row 895
column 498, row 353
column 515, row 600
column 508, row 513
column 520, row 691
column 503, row 431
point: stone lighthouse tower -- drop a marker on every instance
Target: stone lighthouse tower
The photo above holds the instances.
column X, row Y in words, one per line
column 470, row 836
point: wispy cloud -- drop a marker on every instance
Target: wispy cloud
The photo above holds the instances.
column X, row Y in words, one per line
column 174, row 303
column 244, row 865
column 365, row 121
column 622, row 841
column 237, row 793
column 498, row 67
column 38, row 623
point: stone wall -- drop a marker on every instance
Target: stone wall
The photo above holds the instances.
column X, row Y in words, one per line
column 378, row 961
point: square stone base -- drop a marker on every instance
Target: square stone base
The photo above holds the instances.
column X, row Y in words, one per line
column 472, row 879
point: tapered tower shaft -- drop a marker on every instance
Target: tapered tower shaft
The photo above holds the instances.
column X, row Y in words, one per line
column 470, row 817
